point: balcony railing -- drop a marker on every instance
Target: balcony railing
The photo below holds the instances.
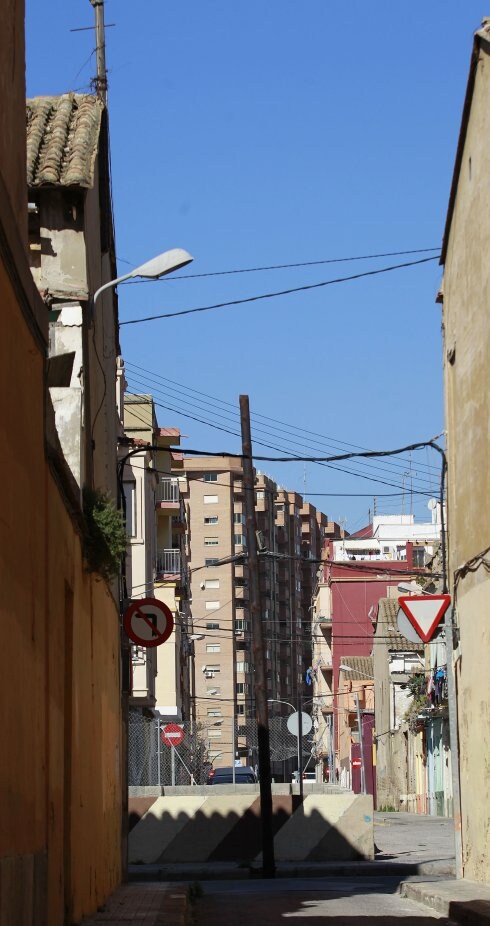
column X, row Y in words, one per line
column 169, row 563
column 168, row 489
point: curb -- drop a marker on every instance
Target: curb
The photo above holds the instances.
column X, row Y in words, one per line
column 232, row 872
column 464, row 902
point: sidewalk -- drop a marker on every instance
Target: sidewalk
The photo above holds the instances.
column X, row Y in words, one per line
column 464, row 902
column 145, row 905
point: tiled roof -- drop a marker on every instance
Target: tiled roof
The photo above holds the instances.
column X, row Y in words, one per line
column 362, row 667
column 387, row 629
column 365, row 533
column 62, row 139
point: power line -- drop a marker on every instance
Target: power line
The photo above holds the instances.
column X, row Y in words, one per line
column 334, row 442
column 320, row 461
column 283, row 292
column 231, row 417
column 307, row 263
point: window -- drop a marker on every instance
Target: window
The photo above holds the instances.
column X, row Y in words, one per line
column 211, row 541
column 242, row 667
column 260, row 493
column 240, row 688
column 241, row 625
column 240, row 604
column 419, row 556
column 210, row 477
column 241, row 583
column 130, row 497
column 211, row 583
column 210, row 562
column 214, row 712
column 238, row 518
column 240, row 540
column 212, row 605
column 214, row 734
column 212, row 670
column 213, row 519
column 213, row 648
column 210, row 499
column 240, row 709
column 212, row 626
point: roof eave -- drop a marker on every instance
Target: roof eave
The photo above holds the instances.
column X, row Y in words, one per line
column 481, row 38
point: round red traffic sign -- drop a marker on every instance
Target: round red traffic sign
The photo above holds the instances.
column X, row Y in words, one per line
column 172, row 734
column 148, row 622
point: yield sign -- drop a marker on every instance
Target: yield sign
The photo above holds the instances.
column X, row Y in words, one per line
column 424, row 612
column 148, row 622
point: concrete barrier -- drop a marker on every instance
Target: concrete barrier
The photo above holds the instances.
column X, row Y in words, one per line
column 222, row 823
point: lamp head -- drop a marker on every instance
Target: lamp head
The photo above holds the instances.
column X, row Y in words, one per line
column 165, row 263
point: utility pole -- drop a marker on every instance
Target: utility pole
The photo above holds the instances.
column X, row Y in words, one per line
column 101, row 78
column 300, row 748
column 261, row 708
column 361, row 744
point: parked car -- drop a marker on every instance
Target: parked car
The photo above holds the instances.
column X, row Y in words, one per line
column 244, row 775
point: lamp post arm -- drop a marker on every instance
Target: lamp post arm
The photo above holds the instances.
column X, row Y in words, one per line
column 110, row 285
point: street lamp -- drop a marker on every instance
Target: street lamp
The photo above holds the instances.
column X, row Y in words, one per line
column 153, row 269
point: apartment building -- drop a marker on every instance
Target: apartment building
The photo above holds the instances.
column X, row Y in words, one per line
column 212, row 489
column 217, row 553
column 155, row 562
column 345, row 607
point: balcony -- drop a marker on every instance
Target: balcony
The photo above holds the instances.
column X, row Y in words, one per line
column 168, row 493
column 169, row 564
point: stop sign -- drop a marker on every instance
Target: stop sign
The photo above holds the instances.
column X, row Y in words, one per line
column 172, row 734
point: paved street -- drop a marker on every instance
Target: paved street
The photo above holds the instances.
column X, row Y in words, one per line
column 413, row 839
column 312, row 901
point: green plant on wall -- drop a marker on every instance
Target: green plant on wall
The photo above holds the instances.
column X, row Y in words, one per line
column 105, row 539
column 417, row 685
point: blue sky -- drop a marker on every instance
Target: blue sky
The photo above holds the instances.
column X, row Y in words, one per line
column 257, row 134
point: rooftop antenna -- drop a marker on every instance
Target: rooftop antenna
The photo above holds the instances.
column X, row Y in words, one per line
column 100, row 81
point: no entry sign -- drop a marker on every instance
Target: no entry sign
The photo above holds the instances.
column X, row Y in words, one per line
column 172, row 734
column 148, row 622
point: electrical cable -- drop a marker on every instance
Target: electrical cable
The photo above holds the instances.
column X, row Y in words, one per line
column 286, row 426
column 319, row 460
column 283, row 292
column 257, row 429
column 307, row 263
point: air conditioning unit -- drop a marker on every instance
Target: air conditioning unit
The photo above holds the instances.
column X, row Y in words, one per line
column 209, row 674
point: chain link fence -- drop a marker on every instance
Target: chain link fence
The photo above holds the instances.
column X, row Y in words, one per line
column 151, row 761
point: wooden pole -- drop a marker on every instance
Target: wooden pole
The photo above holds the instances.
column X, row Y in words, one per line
column 260, row 683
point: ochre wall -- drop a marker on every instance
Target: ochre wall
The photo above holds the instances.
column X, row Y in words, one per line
column 60, row 772
column 12, row 113
column 467, row 396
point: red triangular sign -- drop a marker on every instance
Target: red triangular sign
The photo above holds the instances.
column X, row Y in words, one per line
column 425, row 612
